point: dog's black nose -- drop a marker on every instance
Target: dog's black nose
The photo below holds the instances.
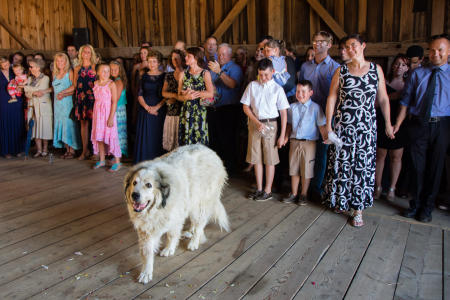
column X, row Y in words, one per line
column 135, row 196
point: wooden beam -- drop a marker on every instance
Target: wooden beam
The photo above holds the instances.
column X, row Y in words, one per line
column 234, row 12
column 372, row 50
column 251, row 21
column 13, row 33
column 362, row 16
column 104, row 23
column 339, row 11
column 202, row 20
column 275, row 19
column 161, row 22
column 314, row 23
column 327, row 18
column 187, row 21
column 173, row 21
column 406, row 20
column 437, row 17
column 388, row 17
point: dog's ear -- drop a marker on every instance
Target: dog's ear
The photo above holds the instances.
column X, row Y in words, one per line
column 129, row 177
column 164, row 188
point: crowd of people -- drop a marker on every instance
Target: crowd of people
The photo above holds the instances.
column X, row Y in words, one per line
column 341, row 120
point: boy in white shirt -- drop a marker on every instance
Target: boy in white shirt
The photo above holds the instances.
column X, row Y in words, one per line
column 262, row 100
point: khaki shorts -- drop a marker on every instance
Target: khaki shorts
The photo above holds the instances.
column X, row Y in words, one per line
column 260, row 148
column 301, row 158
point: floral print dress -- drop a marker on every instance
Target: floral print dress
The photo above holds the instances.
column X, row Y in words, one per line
column 193, row 127
column 84, row 96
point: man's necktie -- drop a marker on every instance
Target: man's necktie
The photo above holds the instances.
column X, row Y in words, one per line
column 425, row 112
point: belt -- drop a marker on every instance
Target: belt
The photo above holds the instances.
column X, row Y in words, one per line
column 268, row 120
column 301, row 140
column 430, row 120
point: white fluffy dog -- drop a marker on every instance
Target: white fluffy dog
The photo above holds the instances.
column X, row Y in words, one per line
column 163, row 192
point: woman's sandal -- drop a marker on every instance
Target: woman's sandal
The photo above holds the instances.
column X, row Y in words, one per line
column 69, row 155
column 115, row 167
column 338, row 211
column 391, row 195
column 37, row 154
column 99, row 164
column 357, row 220
column 377, row 193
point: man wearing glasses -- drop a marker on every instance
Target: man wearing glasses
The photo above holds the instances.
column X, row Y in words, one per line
column 319, row 72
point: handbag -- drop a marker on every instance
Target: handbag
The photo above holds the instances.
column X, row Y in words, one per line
column 210, row 101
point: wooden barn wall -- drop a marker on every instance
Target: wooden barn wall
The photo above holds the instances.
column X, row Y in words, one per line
column 47, row 24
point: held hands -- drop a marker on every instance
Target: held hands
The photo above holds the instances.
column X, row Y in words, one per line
column 396, row 128
column 214, row 66
column 38, row 93
column 60, row 96
column 281, row 141
column 390, row 131
column 191, row 94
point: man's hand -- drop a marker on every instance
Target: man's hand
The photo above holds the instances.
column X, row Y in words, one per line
column 214, row 66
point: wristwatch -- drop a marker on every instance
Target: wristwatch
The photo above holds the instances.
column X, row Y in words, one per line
column 220, row 73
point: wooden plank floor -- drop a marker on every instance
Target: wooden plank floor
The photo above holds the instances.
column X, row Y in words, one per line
column 65, row 234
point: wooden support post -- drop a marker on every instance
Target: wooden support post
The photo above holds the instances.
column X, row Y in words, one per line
column 104, row 23
column 437, row 17
column 362, row 16
column 251, row 21
column 234, row 12
column 406, row 20
column 388, row 17
column 161, row 23
column 202, row 20
column 13, row 33
column 275, row 18
column 187, row 21
column 173, row 21
column 339, row 11
column 314, row 23
column 327, row 18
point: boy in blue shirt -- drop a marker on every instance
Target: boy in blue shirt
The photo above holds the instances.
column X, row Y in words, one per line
column 305, row 121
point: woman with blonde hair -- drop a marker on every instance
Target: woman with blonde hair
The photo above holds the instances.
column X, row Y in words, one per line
column 37, row 90
column 65, row 133
column 83, row 83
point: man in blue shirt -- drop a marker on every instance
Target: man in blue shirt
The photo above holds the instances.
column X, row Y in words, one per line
column 320, row 71
column 427, row 98
column 227, row 78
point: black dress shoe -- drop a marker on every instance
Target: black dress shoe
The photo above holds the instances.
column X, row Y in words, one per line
column 424, row 217
column 410, row 213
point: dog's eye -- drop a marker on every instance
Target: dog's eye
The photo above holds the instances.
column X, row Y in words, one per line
column 148, row 184
column 134, row 182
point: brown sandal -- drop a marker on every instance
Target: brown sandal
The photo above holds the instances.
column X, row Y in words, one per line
column 357, row 220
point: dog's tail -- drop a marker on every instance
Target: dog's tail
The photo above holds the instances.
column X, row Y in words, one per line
column 221, row 217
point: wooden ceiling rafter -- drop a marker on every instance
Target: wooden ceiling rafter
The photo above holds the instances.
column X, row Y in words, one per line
column 327, row 18
column 231, row 16
column 13, row 33
column 104, row 23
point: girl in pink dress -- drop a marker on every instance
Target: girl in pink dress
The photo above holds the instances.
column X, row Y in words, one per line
column 104, row 136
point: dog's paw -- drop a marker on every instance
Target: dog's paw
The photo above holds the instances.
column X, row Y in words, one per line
column 145, row 277
column 186, row 235
column 167, row 252
column 193, row 245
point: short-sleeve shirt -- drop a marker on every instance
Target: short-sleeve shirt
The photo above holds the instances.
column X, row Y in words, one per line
column 265, row 99
column 305, row 120
column 228, row 95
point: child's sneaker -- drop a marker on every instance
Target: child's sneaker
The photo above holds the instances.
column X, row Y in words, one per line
column 263, row 197
column 290, row 198
column 302, row 200
column 254, row 195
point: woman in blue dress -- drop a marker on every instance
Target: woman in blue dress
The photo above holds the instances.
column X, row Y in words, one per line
column 66, row 133
column 151, row 111
column 11, row 116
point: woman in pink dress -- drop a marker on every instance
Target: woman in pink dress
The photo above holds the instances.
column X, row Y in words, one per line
column 105, row 137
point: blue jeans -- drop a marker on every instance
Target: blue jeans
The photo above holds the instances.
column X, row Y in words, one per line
column 320, row 166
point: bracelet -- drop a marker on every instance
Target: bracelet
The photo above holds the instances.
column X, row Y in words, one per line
column 220, row 73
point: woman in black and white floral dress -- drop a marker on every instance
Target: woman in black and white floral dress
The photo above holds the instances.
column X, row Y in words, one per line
column 351, row 169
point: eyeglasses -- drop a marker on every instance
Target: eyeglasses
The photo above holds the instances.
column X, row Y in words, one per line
column 320, row 42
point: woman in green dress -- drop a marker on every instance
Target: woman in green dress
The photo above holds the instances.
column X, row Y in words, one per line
column 194, row 85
